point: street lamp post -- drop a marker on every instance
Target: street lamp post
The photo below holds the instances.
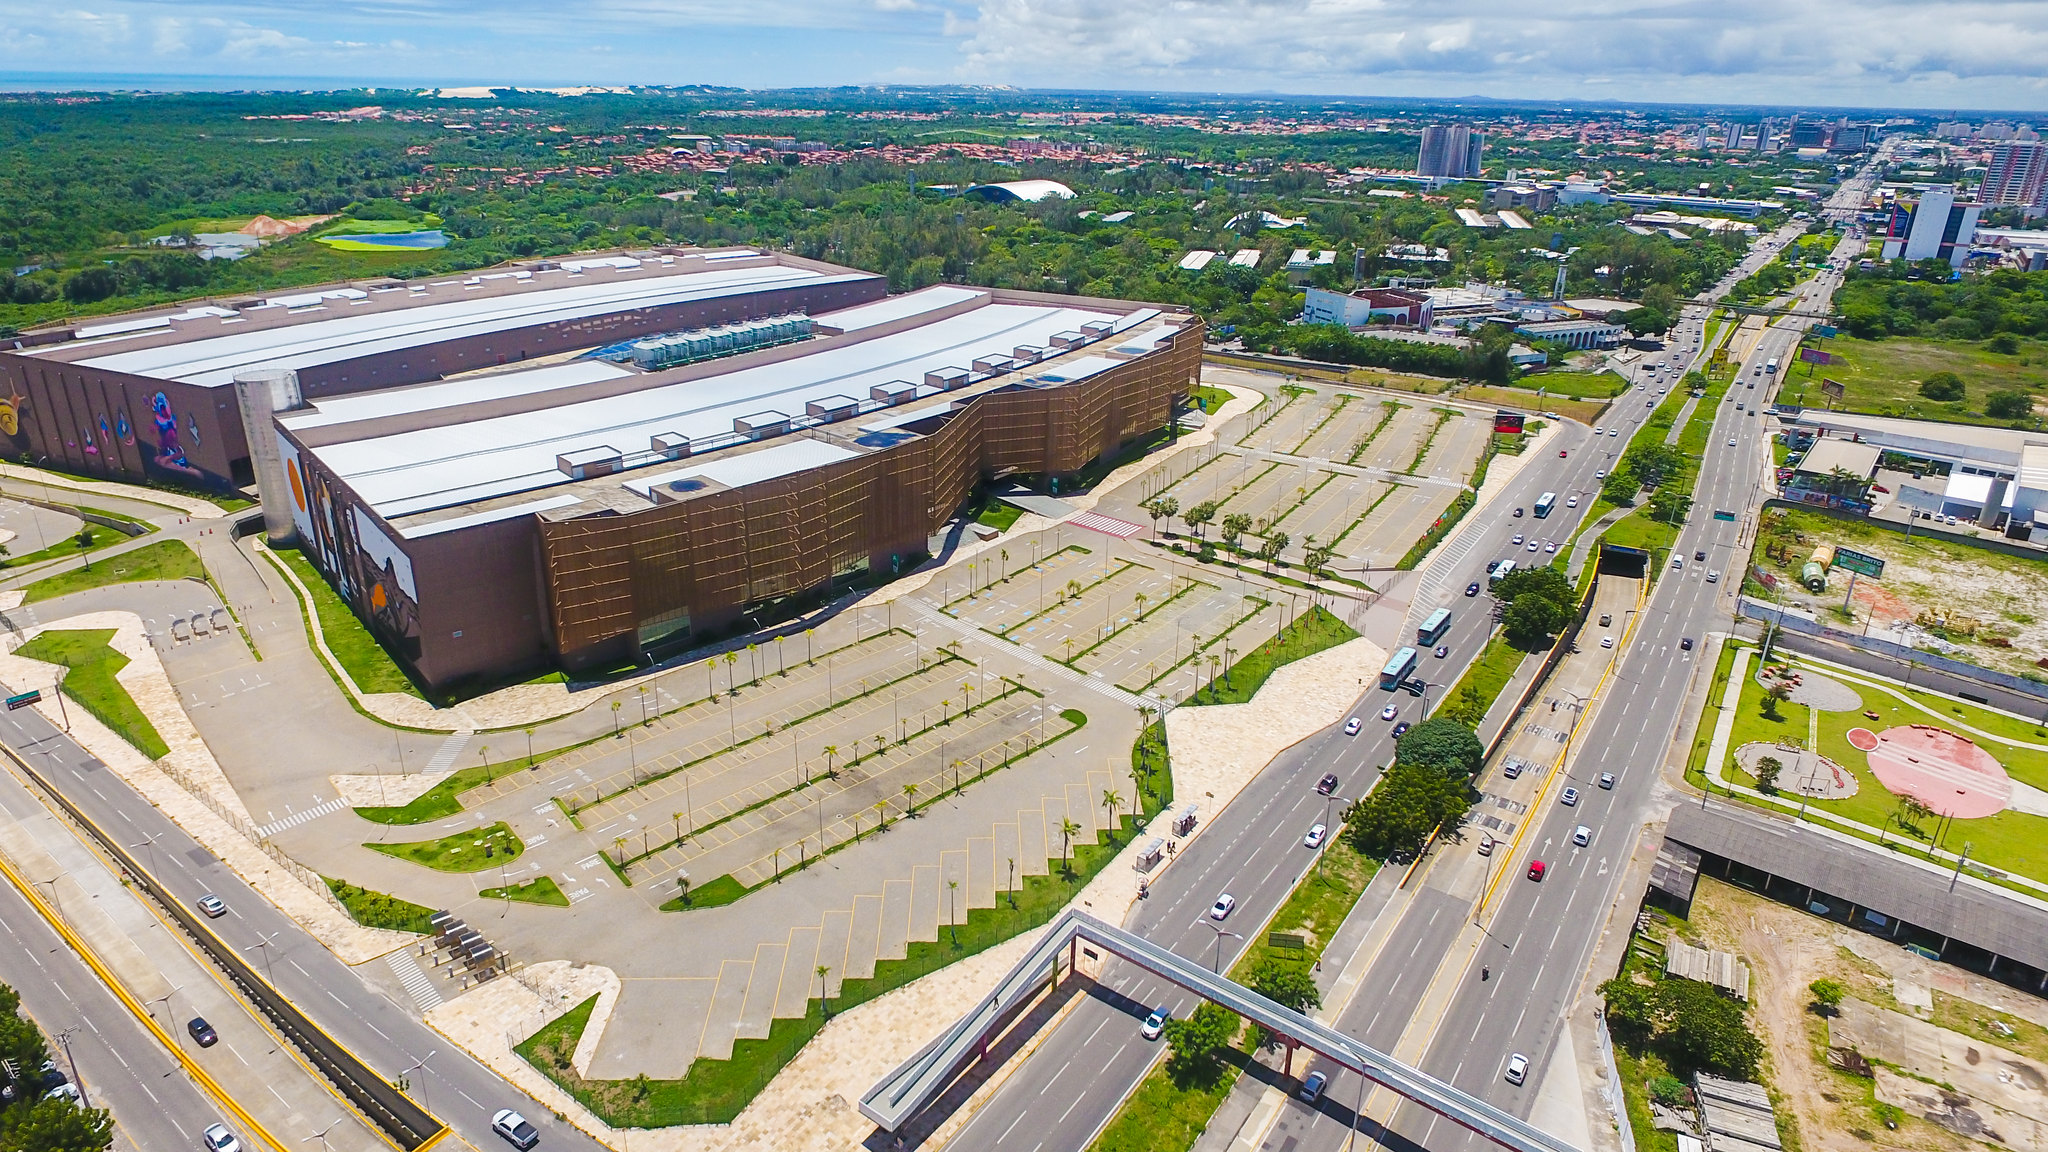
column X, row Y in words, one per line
column 1216, row 965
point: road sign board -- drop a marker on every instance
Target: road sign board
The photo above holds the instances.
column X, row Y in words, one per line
column 1832, row 389
column 1294, row 940
column 1724, row 514
column 1859, row 562
column 1815, row 356
column 24, row 699
column 1826, row 331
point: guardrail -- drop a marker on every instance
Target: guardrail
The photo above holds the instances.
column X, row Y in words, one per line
column 922, row 1078
column 404, row 1122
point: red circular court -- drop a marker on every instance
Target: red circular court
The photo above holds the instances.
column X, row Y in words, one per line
column 1947, row 772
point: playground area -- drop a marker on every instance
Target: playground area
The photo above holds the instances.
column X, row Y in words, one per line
column 1913, row 767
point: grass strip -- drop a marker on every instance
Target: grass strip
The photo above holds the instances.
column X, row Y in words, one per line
column 377, row 910
column 1443, row 416
column 361, row 656
column 1342, row 400
column 1391, row 488
column 1474, row 694
column 1075, row 594
column 714, row 1091
column 91, row 664
column 1437, row 531
column 163, row 560
column 1388, row 410
column 541, row 890
column 1311, row 632
column 471, row 851
column 1192, row 584
column 445, row 799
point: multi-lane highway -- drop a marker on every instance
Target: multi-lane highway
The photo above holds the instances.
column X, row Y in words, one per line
column 399, row 1045
column 1079, row 1075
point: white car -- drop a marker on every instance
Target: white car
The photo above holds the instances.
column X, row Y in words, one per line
column 1713, row 577
column 1569, row 797
column 1582, row 835
column 219, row 1139
column 1607, row 641
column 1731, row 441
column 1550, row 545
column 1600, row 475
column 1533, row 545
column 1155, row 1024
column 1614, row 431
column 1518, row 538
column 1573, row 501
column 1517, row 1069
column 1598, row 430
column 1389, row 712
column 1314, row 839
column 515, row 1129
column 1222, row 907
column 1351, row 726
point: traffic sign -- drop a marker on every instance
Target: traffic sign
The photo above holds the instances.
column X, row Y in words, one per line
column 24, row 699
column 1827, row 331
column 1859, row 562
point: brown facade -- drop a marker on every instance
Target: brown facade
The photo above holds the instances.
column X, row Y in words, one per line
column 704, row 561
column 97, row 422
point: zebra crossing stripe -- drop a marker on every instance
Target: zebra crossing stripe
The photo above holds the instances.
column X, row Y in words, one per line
column 1108, row 525
column 298, row 818
column 418, row 984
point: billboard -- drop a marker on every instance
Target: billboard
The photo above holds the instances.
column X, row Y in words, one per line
column 1832, row 389
column 1815, row 356
column 1826, row 331
column 1858, row 562
column 1506, row 423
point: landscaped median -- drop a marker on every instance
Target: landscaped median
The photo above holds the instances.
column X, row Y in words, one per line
column 92, row 664
column 162, row 560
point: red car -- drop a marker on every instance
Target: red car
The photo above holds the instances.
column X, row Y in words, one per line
column 1562, row 453
column 1536, row 870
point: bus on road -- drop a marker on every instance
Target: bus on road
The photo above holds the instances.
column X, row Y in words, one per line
column 1771, row 367
column 1433, row 629
column 1499, row 571
column 1545, row 503
column 1397, row 669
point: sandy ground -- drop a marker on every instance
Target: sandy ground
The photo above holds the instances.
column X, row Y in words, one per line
column 810, row 1105
column 1788, row 950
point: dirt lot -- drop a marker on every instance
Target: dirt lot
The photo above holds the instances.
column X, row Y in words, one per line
column 1987, row 604
column 1787, row 950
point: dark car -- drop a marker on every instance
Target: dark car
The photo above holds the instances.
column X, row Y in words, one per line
column 1685, row 644
column 1472, row 589
column 1327, row 784
column 202, row 1032
column 1401, row 728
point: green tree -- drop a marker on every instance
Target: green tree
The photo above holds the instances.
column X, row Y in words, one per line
column 1289, row 985
column 1276, row 543
column 1827, row 995
column 1532, row 619
column 1621, row 486
column 1444, row 744
column 1549, row 580
column 1397, row 817
column 1701, row 1028
column 55, row 1126
column 1234, row 525
column 1198, row 516
column 1670, row 506
column 1945, row 387
column 1777, row 693
column 1767, row 770
column 2008, row 404
column 1195, row 1040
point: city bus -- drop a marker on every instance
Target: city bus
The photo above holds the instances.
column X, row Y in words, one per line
column 1544, row 503
column 1397, row 669
column 1771, row 367
column 1433, row 629
column 1500, row 571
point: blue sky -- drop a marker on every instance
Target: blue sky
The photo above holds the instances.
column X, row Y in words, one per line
column 1926, row 54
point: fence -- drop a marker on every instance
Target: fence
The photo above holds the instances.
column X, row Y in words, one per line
column 1616, row 1101
column 1769, row 613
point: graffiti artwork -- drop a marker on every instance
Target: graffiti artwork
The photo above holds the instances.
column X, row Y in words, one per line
column 170, row 451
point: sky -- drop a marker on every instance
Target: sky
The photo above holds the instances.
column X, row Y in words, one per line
column 1924, row 54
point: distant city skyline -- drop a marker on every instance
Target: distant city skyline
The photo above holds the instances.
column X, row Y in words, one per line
column 1886, row 54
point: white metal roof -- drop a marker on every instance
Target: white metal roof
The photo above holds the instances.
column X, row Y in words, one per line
column 751, row 467
column 2033, row 471
column 451, row 393
column 1196, row 260
column 892, row 308
column 1028, row 189
column 216, row 361
column 420, row 470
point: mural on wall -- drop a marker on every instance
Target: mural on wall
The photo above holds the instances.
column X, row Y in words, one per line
column 170, row 451
column 10, row 413
column 393, row 595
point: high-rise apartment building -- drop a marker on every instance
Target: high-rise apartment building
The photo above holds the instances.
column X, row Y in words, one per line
column 1453, row 150
column 2017, row 175
column 1939, row 228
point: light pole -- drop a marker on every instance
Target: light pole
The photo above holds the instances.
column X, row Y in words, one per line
column 1216, row 965
column 266, row 943
column 420, row 1065
column 64, row 1038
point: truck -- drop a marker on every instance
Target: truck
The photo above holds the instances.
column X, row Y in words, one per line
column 1771, row 367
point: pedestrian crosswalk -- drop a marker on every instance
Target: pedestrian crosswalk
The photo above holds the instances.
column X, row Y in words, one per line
column 1109, row 525
column 300, row 817
column 444, row 756
column 425, row 995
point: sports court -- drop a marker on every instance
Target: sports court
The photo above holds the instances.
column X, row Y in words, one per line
column 1948, row 773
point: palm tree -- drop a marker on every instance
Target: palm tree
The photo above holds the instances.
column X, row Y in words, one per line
column 1168, row 507
column 831, row 750
column 1112, row 801
column 678, row 818
column 710, row 670
column 1235, row 525
column 731, row 658
column 952, row 921
column 910, row 799
column 1006, row 565
column 754, row 662
column 1140, row 598
column 881, row 814
column 824, row 989
column 1073, row 590
column 1068, row 830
